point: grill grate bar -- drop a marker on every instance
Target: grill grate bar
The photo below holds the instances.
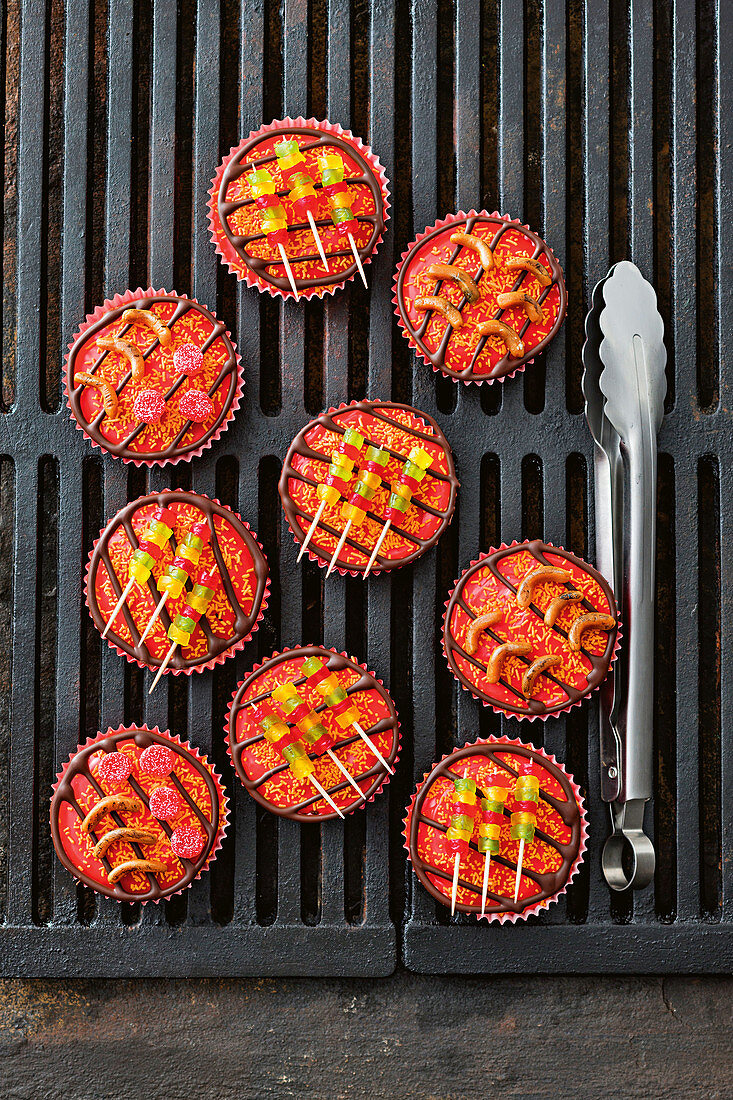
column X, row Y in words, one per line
column 604, row 127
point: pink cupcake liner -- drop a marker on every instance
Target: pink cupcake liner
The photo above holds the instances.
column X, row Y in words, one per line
column 235, row 647
column 537, row 907
column 496, row 707
column 451, row 219
column 193, row 751
column 128, row 297
column 380, row 782
column 228, row 253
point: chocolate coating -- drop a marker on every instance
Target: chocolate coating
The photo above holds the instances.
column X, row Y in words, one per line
column 79, row 765
column 533, row 707
column 549, row 883
column 336, row 663
column 237, row 167
column 506, row 365
column 244, row 624
column 228, row 375
column 374, row 408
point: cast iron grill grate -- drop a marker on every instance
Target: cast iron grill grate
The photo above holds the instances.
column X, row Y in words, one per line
column 607, row 130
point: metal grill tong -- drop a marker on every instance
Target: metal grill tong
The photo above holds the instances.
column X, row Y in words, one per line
column 624, row 385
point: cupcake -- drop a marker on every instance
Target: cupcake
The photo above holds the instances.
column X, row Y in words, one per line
column 152, row 377
column 164, row 543
column 292, row 195
column 478, row 296
column 137, row 814
column 509, row 856
column 312, row 734
column 530, row 629
column 413, row 485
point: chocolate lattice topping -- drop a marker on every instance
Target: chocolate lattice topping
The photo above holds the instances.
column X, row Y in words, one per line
column 508, row 364
column 228, row 375
column 79, row 765
column 337, row 662
column 549, row 883
column 244, row 622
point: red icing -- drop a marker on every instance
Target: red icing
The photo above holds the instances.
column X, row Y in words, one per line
column 463, row 341
column 157, row 761
column 148, row 406
column 283, row 789
column 220, row 614
column 434, row 849
column 416, row 520
column 196, row 405
column 482, row 592
column 78, row 846
column 161, row 373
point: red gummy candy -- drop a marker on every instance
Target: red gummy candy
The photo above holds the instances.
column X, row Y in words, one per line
column 157, row 761
column 114, row 768
column 187, row 842
column 188, row 359
column 148, row 406
column 165, row 803
column 196, row 405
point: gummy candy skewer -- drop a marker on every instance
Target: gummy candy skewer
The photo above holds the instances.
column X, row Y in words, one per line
column 178, row 572
column 460, row 829
column 524, row 819
column 335, row 484
column 149, row 550
column 345, row 713
column 416, row 464
column 302, row 192
column 315, row 734
column 290, row 748
column 184, row 624
column 332, row 178
column 489, row 831
column 354, row 509
column 272, row 216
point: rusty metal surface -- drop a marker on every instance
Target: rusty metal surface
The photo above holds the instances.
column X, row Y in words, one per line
column 604, row 126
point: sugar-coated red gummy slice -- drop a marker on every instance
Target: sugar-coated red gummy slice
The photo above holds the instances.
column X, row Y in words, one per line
column 188, row 359
column 165, row 803
column 196, row 405
column 114, row 768
column 157, row 761
column 148, row 406
column 187, row 841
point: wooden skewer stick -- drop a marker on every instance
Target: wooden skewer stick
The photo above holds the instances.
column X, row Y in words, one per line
column 319, row 242
column 119, row 604
column 520, row 859
column 339, row 548
column 376, row 549
column 344, row 772
column 367, row 740
column 163, row 667
column 485, row 889
column 289, row 272
column 311, row 529
column 357, row 257
column 454, row 891
column 324, row 794
column 154, row 617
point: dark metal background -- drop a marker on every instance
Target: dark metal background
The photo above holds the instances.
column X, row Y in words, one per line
column 607, row 128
